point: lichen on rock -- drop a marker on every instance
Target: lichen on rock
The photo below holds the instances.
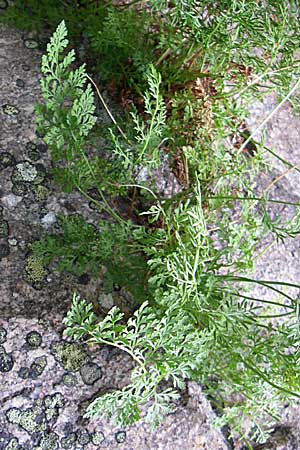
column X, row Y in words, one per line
column 35, row 272
column 71, row 356
column 6, row 360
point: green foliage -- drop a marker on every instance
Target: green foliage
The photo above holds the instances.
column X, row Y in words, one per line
column 123, row 45
column 148, row 134
column 196, row 322
column 81, row 248
column 163, row 347
column 68, row 113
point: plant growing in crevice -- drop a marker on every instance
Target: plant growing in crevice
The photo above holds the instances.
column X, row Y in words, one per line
column 196, row 323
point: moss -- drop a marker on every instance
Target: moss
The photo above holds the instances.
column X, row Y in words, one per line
column 35, row 272
column 71, row 356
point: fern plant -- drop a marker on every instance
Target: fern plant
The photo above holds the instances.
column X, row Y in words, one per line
column 195, row 322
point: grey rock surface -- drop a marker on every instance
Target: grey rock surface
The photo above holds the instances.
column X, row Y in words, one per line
column 46, row 382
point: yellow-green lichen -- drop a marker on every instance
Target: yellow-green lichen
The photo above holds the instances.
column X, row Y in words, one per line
column 71, row 356
column 34, row 271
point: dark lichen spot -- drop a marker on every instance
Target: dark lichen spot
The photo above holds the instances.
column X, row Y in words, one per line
column 20, row 83
column 68, row 441
column 24, row 372
column 3, row 334
column 3, row 4
column 71, row 356
column 13, row 445
column 33, row 339
column 6, row 160
column 90, row 373
column 42, row 148
column 120, row 437
column 98, row 437
column 38, row 367
column 48, row 442
column 69, row 380
column 10, row 110
column 32, row 151
column 4, row 229
column 84, row 278
column 31, row 43
column 4, row 249
column 19, row 188
column 83, row 437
